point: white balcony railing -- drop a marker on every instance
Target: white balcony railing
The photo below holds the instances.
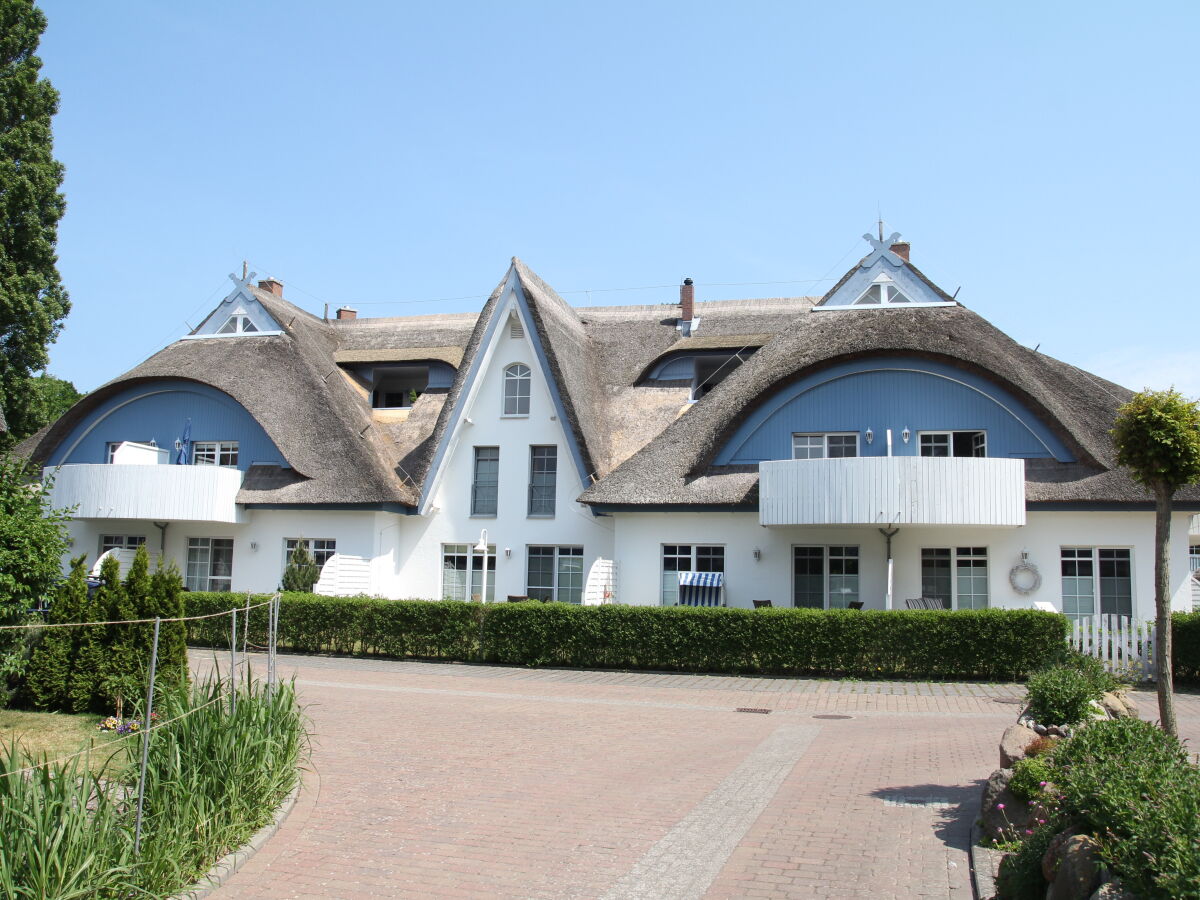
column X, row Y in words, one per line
column 905, row 490
column 160, row 493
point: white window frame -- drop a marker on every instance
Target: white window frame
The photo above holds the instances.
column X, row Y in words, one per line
column 668, row 593
column 514, row 404
column 1096, row 578
column 120, row 542
column 472, row 587
column 476, row 484
column 548, row 479
column 197, row 581
column 825, row 436
column 240, row 321
column 827, row 575
column 949, row 435
column 320, row 549
column 962, row 558
column 557, row 589
column 888, row 291
column 217, row 453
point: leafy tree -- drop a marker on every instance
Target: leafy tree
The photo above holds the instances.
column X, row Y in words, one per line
column 1157, row 436
column 302, row 570
column 52, row 663
column 33, row 537
column 33, row 302
column 49, row 398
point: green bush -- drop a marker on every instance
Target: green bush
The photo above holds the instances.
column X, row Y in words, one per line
column 1133, row 786
column 1060, row 696
column 985, row 644
column 1091, row 668
column 1020, row 876
column 1185, row 646
column 1029, row 774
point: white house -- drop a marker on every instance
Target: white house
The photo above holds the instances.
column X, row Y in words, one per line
column 877, row 445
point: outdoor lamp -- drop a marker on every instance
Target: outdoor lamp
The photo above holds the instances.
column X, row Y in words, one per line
column 870, row 436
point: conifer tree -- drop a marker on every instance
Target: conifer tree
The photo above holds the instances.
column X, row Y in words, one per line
column 166, row 592
column 84, row 689
column 33, row 302
column 52, row 663
column 124, row 661
column 302, row 571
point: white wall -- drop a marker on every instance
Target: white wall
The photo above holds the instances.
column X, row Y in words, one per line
column 640, row 537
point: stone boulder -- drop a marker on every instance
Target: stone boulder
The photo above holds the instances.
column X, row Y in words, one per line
column 1002, row 813
column 1112, row 890
column 1013, row 743
column 1119, row 705
column 1080, row 870
column 1053, row 854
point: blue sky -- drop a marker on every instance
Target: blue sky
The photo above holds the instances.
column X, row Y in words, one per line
column 1040, row 157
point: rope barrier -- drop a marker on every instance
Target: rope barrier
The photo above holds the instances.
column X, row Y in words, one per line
column 134, row 621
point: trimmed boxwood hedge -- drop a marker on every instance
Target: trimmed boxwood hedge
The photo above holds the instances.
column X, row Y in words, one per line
column 984, row 644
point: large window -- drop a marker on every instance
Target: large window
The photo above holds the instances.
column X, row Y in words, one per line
column 209, row 564
column 824, row 577
column 953, row 443
column 516, row 390
column 543, row 475
column 320, row 549
column 215, row 453
column 958, row 578
column 555, row 573
column 824, row 446
column 485, row 481
column 120, row 542
column 462, row 572
column 1089, row 573
column 678, row 558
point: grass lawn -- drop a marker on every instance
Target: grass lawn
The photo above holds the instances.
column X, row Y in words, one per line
column 61, row 734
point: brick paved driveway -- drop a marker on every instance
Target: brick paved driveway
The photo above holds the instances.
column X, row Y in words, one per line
column 443, row 780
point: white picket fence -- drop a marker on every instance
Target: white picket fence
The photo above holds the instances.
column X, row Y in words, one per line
column 1124, row 645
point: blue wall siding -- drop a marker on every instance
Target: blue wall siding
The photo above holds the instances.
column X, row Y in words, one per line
column 895, row 393
column 158, row 411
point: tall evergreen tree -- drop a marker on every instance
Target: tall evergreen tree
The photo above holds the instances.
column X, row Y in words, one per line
column 84, row 690
column 166, row 592
column 124, row 660
column 33, row 302
column 50, row 669
column 302, row 571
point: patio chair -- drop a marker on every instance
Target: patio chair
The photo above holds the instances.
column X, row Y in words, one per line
column 762, row 604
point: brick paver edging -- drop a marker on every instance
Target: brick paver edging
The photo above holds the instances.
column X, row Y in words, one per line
column 227, row 865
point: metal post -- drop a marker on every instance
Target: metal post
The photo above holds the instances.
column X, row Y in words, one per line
column 272, row 624
column 137, row 829
column 246, row 629
column 233, row 662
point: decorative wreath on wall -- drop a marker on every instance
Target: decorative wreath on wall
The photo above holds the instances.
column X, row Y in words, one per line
column 1025, row 577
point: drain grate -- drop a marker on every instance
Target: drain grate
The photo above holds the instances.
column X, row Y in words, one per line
column 831, row 716
column 1014, row 701
column 753, row 709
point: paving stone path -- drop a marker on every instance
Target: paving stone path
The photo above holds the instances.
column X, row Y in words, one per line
column 460, row 781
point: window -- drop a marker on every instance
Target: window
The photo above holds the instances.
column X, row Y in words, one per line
column 485, row 482
column 1087, row 573
column 824, row 446
column 555, row 573
column 238, row 324
column 120, row 542
column 882, row 293
column 543, row 475
column 320, row 549
column 209, row 564
column 516, row 390
column 399, row 387
column 215, row 453
column 953, row 443
column 687, row 558
column 712, row 370
column 824, row 576
column 958, row 579
column 462, row 572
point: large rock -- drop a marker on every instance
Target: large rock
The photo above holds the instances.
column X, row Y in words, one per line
column 1003, row 815
column 1080, row 870
column 1114, row 704
column 1098, row 713
column 1112, row 890
column 1013, row 743
column 1053, row 854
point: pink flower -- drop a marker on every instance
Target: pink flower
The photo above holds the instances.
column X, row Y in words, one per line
column 999, row 806
column 1029, row 831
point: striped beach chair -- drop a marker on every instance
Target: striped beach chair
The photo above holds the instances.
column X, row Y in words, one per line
column 701, row 588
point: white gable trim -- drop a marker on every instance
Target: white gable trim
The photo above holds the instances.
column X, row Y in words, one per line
column 239, row 303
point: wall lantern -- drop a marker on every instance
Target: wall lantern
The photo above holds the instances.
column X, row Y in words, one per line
column 870, row 436
column 757, row 554
column 906, row 434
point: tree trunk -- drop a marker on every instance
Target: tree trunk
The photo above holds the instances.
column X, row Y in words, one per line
column 1162, row 607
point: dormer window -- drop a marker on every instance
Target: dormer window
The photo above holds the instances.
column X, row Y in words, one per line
column 883, row 292
column 238, row 324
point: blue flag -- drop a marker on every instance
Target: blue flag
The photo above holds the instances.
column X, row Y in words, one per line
column 184, row 445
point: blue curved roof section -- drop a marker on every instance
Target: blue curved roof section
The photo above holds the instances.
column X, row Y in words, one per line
column 158, row 411
column 896, row 393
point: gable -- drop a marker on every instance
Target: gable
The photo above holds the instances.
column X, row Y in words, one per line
column 239, row 315
column 881, row 279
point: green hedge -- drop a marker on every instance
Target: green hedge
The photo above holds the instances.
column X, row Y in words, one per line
column 1185, row 648
column 987, row 644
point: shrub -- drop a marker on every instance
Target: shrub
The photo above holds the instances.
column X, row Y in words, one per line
column 1185, row 635
column 1101, row 680
column 1020, row 876
column 1060, row 696
column 302, row 571
column 1029, row 775
column 1132, row 784
column 873, row 644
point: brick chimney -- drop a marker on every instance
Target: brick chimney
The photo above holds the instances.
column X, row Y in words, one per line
column 272, row 286
column 345, row 312
column 687, row 300
column 901, row 249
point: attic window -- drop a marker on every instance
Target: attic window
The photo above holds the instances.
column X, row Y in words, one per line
column 238, row 324
column 516, row 331
column 882, row 293
column 399, row 387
